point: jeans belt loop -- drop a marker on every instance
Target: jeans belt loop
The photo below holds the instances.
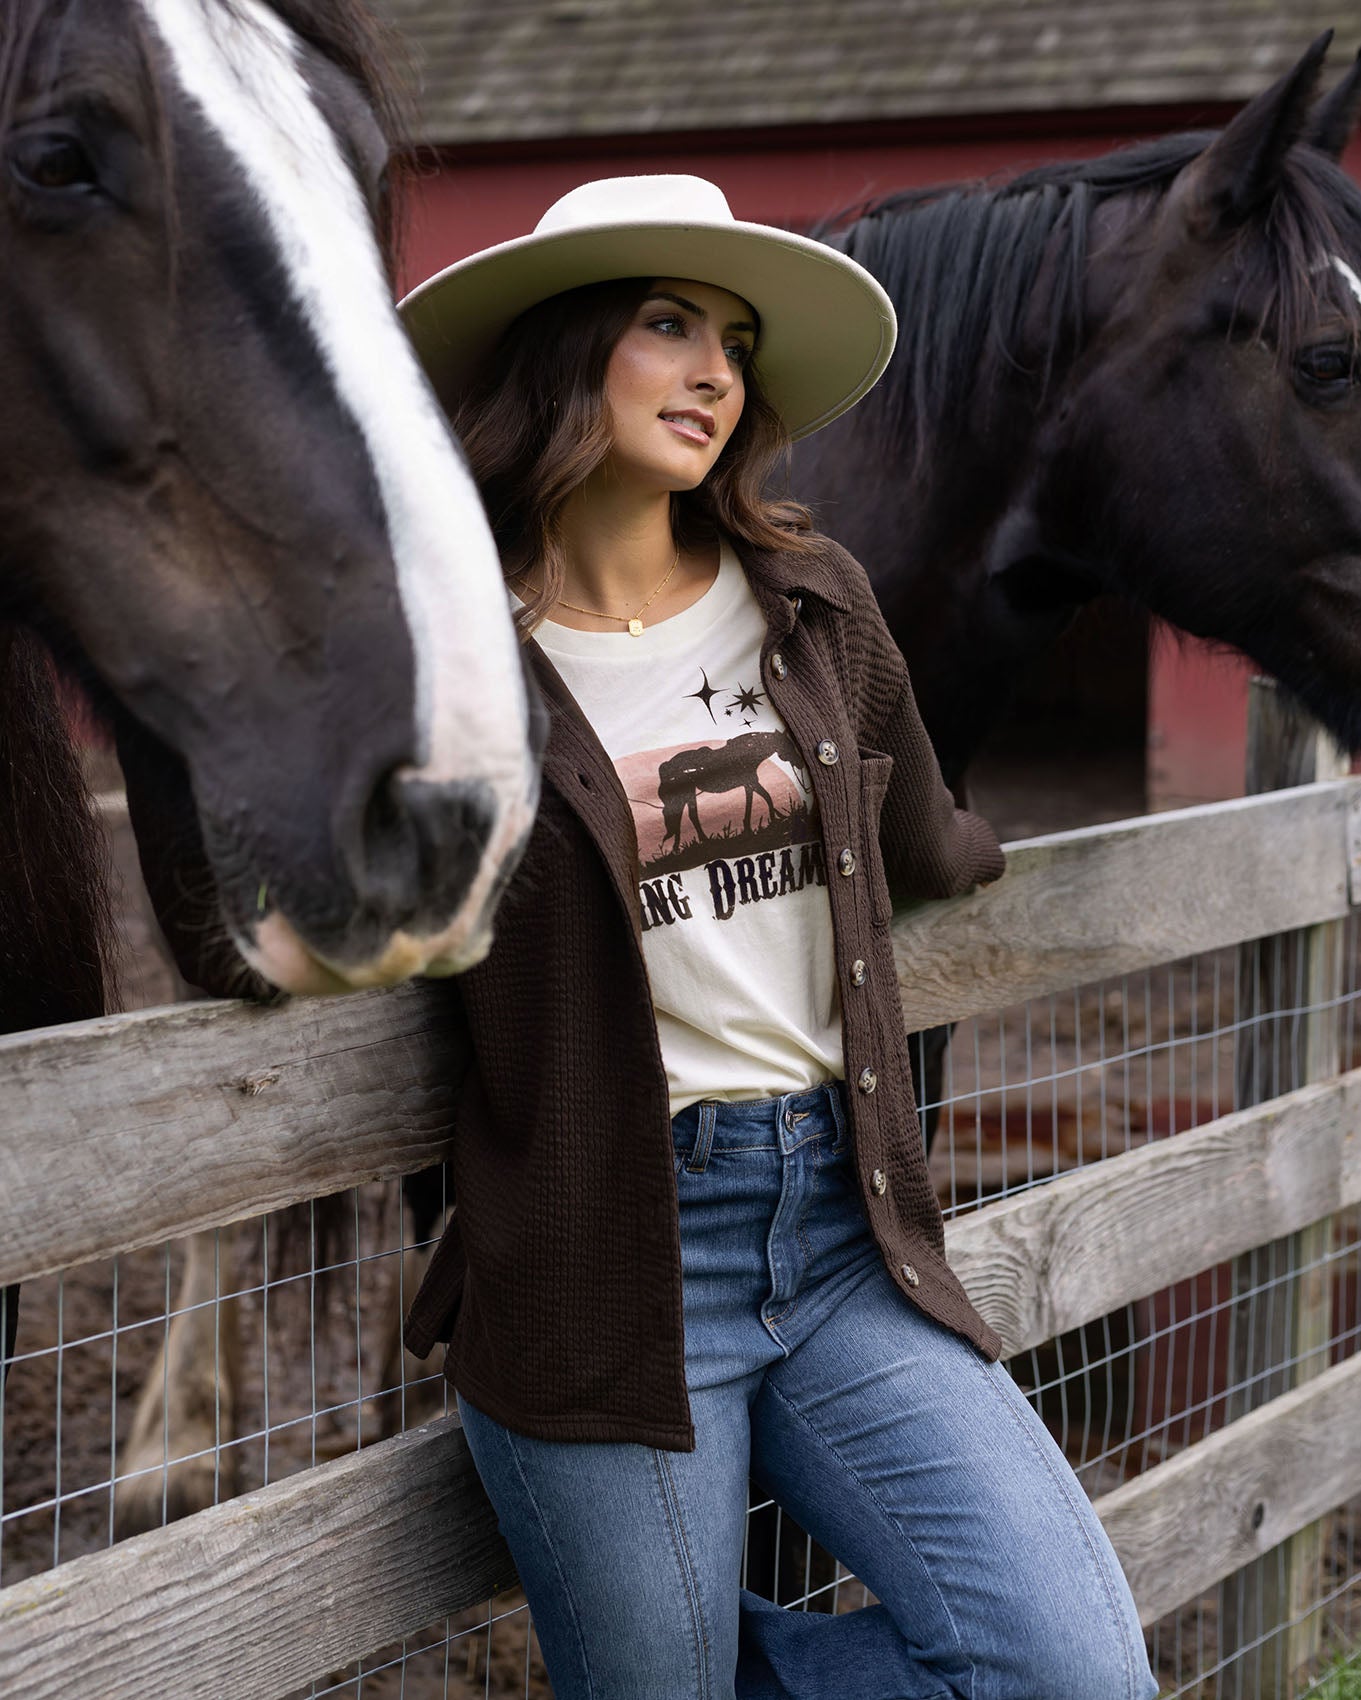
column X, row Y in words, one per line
column 704, row 1137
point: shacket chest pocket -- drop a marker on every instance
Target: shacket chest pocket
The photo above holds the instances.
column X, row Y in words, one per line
column 875, row 769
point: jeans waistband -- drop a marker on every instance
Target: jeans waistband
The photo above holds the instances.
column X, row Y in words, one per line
column 782, row 1123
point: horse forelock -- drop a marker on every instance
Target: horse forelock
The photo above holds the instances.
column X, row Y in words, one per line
column 1308, row 246
column 962, row 263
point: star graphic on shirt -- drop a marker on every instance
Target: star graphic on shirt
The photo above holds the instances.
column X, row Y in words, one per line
column 745, row 701
column 706, row 696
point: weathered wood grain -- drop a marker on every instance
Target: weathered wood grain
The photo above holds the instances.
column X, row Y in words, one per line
column 1067, row 1252
column 1081, row 906
column 1188, row 1523
column 134, row 1129
column 258, row 1596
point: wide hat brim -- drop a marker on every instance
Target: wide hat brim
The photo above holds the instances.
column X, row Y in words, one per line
column 827, row 327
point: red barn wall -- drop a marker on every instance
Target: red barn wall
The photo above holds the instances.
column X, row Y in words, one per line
column 476, row 197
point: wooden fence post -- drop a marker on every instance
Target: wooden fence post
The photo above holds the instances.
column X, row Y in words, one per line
column 1281, row 1315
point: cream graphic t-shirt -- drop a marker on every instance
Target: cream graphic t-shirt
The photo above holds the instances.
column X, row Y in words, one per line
column 737, row 929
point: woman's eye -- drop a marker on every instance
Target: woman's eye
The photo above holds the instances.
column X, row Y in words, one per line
column 739, row 353
column 671, row 325
column 52, row 164
column 1328, row 367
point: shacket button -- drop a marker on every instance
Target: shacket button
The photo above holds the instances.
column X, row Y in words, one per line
column 777, row 665
column 911, row 1276
column 846, row 861
column 868, row 1080
column 828, row 754
column 878, row 1183
column 857, row 972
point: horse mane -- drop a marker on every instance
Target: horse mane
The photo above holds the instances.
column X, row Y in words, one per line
column 56, row 927
column 961, row 263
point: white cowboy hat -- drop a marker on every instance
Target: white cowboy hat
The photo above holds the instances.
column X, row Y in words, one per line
column 827, row 328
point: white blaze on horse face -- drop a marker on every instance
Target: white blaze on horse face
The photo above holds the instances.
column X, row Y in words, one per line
column 238, row 64
column 1352, row 280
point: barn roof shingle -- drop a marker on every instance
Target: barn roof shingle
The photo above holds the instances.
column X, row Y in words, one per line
column 509, row 70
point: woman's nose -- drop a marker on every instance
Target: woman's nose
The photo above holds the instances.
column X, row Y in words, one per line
column 715, row 381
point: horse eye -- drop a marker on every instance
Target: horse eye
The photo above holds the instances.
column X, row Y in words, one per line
column 1327, row 365
column 52, row 163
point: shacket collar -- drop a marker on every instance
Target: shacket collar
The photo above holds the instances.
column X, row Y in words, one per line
column 818, row 571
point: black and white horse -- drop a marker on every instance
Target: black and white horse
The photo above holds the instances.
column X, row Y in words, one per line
column 230, row 506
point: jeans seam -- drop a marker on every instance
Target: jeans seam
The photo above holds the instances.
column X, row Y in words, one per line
column 675, row 1523
column 989, row 1371
column 568, row 1596
column 791, row 1308
column 867, row 1489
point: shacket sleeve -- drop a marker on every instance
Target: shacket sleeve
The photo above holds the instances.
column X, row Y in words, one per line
column 930, row 847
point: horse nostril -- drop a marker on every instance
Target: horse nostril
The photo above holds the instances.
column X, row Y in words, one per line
column 423, row 845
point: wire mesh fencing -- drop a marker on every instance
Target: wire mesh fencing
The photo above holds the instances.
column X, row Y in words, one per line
column 165, row 1379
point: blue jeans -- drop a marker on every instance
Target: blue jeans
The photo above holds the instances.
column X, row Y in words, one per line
column 891, row 1441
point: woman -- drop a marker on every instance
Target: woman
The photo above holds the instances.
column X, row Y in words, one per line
column 695, row 1238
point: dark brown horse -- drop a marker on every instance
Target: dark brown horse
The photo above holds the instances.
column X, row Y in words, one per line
column 1137, row 374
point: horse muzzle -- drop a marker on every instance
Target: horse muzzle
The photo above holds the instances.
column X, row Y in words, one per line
column 418, row 878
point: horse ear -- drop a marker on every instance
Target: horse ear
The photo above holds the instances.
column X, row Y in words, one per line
column 1240, row 170
column 1333, row 120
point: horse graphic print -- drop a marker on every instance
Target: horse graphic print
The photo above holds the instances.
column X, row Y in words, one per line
column 718, row 771
column 738, row 810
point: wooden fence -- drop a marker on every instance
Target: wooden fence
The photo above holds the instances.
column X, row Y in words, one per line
column 129, row 1131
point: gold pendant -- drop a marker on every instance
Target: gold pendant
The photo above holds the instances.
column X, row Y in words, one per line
column 635, row 627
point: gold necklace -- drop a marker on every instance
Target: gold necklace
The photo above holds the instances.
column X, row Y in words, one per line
column 634, row 622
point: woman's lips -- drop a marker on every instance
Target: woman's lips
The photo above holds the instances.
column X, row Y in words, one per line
column 690, row 429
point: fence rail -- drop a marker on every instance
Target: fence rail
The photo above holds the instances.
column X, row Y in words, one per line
column 125, row 1132
column 131, row 1130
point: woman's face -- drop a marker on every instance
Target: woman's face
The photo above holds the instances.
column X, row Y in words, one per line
column 674, row 383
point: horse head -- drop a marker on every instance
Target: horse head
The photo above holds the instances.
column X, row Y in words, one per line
column 1139, row 374
column 228, row 498
column 1205, row 451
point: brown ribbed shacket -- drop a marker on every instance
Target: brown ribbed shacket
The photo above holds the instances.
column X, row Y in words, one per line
column 558, row 1279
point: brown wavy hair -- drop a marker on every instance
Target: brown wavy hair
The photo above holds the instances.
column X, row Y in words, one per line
column 535, row 424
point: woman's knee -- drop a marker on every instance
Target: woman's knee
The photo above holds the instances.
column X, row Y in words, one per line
column 1085, row 1655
